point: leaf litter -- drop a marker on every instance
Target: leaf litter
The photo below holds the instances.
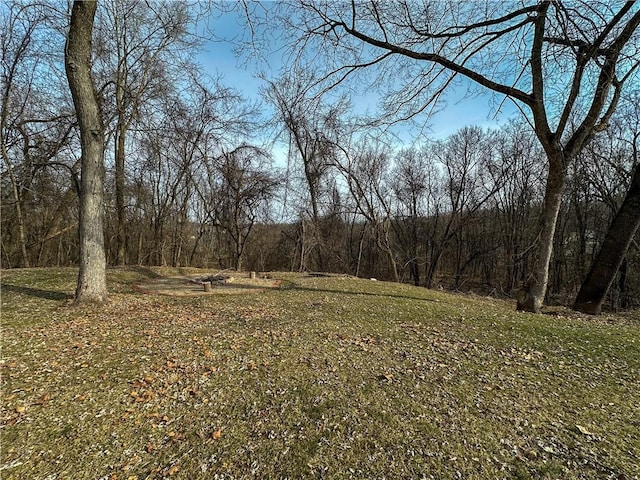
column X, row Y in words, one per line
column 327, row 377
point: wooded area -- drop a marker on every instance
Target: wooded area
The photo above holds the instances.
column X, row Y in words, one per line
column 534, row 209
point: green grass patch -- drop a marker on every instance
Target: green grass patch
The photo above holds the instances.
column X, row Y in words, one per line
column 321, row 378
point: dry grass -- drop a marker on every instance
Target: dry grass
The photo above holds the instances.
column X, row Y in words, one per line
column 321, row 378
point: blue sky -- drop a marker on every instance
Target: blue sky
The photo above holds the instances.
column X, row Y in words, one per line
column 219, row 58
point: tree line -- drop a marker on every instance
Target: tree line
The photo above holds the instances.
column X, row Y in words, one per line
column 544, row 207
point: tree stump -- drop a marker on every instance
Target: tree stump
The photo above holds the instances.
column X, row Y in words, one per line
column 207, row 286
column 252, row 275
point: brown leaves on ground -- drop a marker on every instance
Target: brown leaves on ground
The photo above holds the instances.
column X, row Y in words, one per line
column 380, row 380
column 132, row 361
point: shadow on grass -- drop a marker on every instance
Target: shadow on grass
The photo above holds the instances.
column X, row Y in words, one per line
column 36, row 292
column 351, row 293
column 144, row 271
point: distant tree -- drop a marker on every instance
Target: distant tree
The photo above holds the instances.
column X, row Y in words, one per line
column 186, row 127
column 365, row 167
column 141, row 45
column 412, row 183
column 311, row 128
column 467, row 187
column 245, row 190
column 566, row 64
column 36, row 124
column 165, row 177
column 16, row 38
column 92, row 281
column 518, row 169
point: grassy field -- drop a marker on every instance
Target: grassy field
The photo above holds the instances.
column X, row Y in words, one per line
column 321, row 378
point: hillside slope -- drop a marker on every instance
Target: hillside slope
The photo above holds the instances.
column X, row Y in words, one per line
column 320, row 378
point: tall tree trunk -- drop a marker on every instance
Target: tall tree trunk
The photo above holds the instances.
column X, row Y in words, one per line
column 532, row 297
column 119, row 187
column 303, row 240
column 415, row 270
column 392, row 264
column 92, row 284
column 360, row 248
column 435, row 254
column 612, row 252
column 623, row 291
column 415, row 240
column 382, row 241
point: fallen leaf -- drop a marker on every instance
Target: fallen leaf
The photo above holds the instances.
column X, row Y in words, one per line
column 20, row 409
column 583, row 430
column 217, row 434
column 173, row 470
column 43, row 399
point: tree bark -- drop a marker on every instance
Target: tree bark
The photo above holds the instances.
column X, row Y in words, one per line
column 119, row 187
column 532, row 296
column 92, row 284
column 432, row 266
column 612, row 252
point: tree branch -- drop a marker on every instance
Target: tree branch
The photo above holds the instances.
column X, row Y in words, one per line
column 440, row 60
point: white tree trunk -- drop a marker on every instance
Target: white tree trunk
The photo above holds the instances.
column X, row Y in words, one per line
column 535, row 290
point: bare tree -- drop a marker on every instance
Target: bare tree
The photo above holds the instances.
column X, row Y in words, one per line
column 412, row 184
column 36, row 122
column 245, row 188
column 311, row 127
column 464, row 158
column 141, row 43
column 92, row 280
column 16, row 38
column 365, row 170
column 165, row 177
column 518, row 168
column 620, row 233
column 564, row 64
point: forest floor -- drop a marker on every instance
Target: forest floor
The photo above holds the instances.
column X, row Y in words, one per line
column 319, row 378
